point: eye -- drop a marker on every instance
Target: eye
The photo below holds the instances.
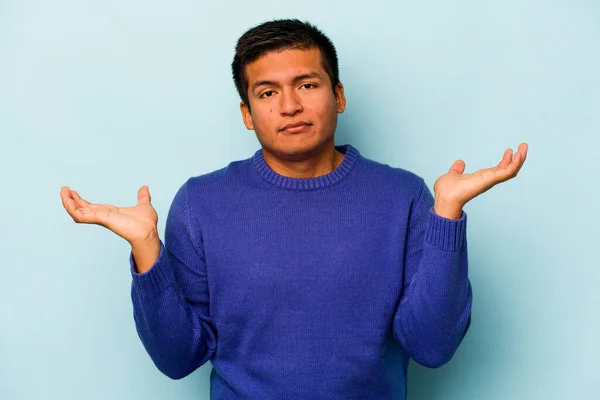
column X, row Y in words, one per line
column 309, row 86
column 268, row 93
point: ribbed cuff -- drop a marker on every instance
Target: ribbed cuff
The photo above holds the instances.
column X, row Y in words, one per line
column 154, row 281
column 447, row 234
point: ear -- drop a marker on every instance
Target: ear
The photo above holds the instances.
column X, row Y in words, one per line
column 340, row 97
column 246, row 116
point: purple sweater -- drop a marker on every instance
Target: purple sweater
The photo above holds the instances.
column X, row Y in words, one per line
column 305, row 288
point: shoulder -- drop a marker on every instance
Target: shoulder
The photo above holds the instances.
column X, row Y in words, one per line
column 218, row 181
column 390, row 178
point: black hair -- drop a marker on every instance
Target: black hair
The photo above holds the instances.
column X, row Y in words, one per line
column 278, row 35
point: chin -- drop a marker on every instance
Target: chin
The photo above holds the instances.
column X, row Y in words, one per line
column 295, row 150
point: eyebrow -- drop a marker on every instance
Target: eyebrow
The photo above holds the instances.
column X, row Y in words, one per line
column 295, row 79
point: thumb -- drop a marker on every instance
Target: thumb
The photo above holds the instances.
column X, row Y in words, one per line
column 144, row 195
column 458, row 167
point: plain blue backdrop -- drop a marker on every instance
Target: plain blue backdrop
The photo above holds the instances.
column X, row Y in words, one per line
column 107, row 96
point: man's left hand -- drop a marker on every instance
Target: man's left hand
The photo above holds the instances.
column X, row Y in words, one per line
column 454, row 189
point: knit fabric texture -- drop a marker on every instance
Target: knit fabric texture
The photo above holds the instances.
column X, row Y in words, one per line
column 304, row 288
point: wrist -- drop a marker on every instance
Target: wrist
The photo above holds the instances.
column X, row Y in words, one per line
column 147, row 240
column 448, row 210
column 145, row 253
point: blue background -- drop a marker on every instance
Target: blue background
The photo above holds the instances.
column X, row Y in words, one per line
column 107, row 96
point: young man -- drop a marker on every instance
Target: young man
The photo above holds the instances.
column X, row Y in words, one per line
column 306, row 271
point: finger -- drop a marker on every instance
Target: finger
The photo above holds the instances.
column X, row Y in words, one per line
column 506, row 158
column 144, row 195
column 80, row 202
column 65, row 193
column 523, row 147
column 522, row 156
column 79, row 214
column 458, row 167
column 505, row 169
column 67, row 201
column 71, row 207
column 75, row 210
column 515, row 165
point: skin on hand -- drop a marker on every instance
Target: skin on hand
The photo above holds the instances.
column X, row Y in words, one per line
column 134, row 224
column 137, row 225
column 455, row 189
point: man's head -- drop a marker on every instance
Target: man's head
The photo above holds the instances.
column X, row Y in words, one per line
column 286, row 72
column 280, row 35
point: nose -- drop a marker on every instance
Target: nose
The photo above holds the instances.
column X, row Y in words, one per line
column 290, row 103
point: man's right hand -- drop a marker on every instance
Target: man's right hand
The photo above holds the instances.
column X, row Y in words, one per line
column 137, row 225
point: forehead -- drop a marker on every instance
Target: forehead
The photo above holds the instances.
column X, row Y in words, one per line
column 283, row 65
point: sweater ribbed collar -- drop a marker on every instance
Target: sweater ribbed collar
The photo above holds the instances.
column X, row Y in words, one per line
column 285, row 182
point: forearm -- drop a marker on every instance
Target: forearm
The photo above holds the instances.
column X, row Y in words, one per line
column 177, row 339
column 434, row 312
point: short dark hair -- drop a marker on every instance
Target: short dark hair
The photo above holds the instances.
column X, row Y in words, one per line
column 278, row 35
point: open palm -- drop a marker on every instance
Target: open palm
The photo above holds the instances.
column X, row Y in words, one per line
column 457, row 188
column 134, row 224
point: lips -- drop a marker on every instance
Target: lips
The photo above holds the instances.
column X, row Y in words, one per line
column 295, row 126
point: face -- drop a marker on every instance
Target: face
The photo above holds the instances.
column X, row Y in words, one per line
column 293, row 109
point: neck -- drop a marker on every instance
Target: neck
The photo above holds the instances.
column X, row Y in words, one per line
column 315, row 164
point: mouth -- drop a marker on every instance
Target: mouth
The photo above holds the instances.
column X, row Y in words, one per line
column 295, row 127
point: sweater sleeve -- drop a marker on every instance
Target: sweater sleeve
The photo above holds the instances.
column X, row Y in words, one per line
column 434, row 311
column 171, row 300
